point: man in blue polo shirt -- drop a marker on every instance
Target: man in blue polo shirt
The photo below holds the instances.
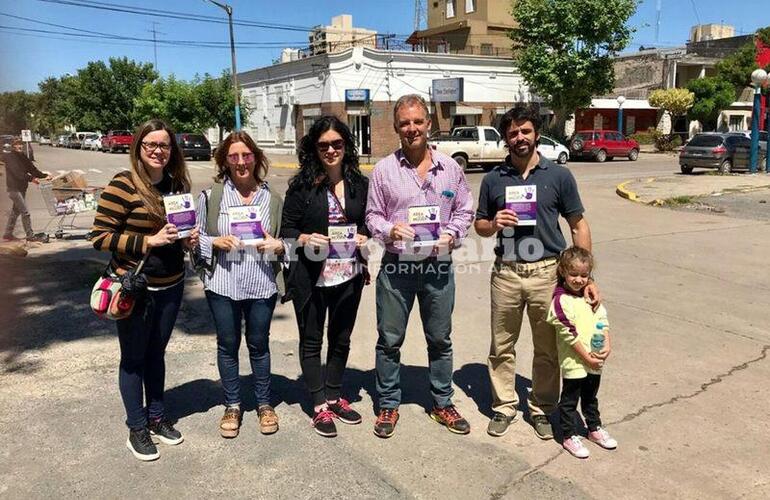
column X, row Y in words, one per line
column 520, row 201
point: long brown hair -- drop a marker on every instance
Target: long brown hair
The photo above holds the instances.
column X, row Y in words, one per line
column 176, row 168
column 220, row 156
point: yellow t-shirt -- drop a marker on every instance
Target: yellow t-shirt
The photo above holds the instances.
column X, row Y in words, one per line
column 574, row 321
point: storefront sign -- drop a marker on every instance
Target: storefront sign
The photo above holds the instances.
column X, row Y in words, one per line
column 357, row 95
column 448, row 90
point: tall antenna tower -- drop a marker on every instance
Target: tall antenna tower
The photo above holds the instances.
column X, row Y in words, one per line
column 420, row 15
column 155, row 34
column 657, row 22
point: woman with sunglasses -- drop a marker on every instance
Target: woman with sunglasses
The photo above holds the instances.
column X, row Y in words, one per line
column 328, row 193
column 131, row 223
column 242, row 281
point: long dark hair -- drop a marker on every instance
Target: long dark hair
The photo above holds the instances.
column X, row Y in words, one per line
column 220, row 156
column 175, row 167
column 312, row 172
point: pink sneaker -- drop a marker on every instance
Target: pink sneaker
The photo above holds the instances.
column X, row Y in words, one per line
column 574, row 445
column 603, row 439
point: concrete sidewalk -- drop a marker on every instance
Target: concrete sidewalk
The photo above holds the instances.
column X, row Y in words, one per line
column 656, row 190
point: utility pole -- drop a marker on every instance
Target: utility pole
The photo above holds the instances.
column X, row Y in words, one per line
column 657, row 23
column 229, row 10
column 155, row 32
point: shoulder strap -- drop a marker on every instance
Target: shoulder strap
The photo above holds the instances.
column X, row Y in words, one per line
column 214, row 201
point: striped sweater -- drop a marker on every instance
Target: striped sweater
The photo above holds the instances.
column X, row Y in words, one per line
column 122, row 226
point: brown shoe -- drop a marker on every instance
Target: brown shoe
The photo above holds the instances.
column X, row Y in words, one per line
column 385, row 425
column 230, row 423
column 268, row 420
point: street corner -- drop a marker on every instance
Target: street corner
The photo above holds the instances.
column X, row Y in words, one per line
column 660, row 191
column 629, row 189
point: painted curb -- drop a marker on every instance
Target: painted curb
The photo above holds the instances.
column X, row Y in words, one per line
column 622, row 191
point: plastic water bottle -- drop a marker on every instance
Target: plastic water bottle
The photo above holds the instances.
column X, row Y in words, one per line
column 597, row 339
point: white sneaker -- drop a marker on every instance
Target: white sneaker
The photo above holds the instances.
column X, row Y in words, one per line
column 574, row 445
column 603, row 439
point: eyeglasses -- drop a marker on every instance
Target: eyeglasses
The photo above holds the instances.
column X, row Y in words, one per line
column 247, row 157
column 152, row 146
column 337, row 145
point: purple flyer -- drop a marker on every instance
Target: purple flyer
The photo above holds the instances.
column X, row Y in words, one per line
column 523, row 201
column 180, row 211
column 426, row 222
column 246, row 224
column 342, row 244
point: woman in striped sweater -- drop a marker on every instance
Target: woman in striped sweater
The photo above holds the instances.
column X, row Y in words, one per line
column 241, row 284
column 131, row 223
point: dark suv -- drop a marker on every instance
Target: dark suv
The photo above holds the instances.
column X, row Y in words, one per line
column 725, row 152
column 602, row 145
column 195, row 146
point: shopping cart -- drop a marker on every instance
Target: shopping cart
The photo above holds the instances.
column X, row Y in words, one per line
column 65, row 204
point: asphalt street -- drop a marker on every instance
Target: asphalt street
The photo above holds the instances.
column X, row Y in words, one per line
column 683, row 391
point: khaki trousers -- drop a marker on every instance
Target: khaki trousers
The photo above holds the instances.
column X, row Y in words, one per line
column 515, row 286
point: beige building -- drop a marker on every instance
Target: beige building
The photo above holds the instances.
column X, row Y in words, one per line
column 704, row 32
column 339, row 36
column 466, row 27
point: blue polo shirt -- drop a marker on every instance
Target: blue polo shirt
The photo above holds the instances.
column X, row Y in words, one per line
column 557, row 194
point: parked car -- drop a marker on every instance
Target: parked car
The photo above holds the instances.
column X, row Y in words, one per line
column 726, row 152
column 601, row 145
column 44, row 141
column 6, row 140
column 553, row 150
column 92, row 142
column 747, row 133
column 61, row 141
column 195, row 146
column 73, row 142
column 116, row 140
column 470, row 146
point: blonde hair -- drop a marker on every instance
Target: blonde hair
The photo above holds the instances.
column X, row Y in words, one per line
column 176, row 168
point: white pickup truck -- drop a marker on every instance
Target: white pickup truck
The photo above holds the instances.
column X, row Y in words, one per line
column 470, row 146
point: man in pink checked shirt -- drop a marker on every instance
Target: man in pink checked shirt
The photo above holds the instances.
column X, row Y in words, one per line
column 420, row 206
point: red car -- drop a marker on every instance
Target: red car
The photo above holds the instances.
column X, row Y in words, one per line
column 601, row 145
column 116, row 140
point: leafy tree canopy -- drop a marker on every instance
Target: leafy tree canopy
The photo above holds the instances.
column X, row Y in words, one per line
column 712, row 95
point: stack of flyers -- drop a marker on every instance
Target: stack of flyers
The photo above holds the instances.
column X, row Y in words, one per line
column 180, row 211
column 523, row 201
column 246, row 224
column 342, row 244
column 426, row 223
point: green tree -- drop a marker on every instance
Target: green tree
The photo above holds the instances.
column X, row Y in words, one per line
column 56, row 103
column 712, row 95
column 105, row 93
column 674, row 101
column 174, row 101
column 16, row 110
column 564, row 48
column 217, row 98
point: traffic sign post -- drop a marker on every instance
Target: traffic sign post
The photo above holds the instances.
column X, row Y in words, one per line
column 26, row 136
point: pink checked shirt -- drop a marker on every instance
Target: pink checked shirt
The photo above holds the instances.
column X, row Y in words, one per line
column 395, row 186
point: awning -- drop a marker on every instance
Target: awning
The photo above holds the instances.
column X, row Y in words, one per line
column 311, row 112
column 613, row 104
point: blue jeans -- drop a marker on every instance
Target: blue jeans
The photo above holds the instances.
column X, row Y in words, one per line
column 228, row 315
column 143, row 338
column 398, row 283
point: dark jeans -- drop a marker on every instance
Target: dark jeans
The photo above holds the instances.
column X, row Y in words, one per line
column 143, row 338
column 398, row 283
column 19, row 207
column 228, row 316
column 584, row 389
column 342, row 303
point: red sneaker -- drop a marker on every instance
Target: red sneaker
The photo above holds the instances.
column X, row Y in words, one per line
column 451, row 418
column 385, row 425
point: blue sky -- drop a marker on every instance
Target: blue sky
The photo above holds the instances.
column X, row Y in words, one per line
column 27, row 58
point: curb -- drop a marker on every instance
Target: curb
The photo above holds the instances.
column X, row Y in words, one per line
column 622, row 191
column 294, row 166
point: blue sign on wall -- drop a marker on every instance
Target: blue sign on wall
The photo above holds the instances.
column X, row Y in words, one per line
column 357, row 95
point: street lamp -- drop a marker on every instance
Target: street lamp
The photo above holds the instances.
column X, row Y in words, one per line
column 227, row 8
column 758, row 77
column 620, row 100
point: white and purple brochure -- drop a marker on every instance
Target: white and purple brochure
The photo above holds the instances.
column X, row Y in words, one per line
column 180, row 211
column 523, row 201
column 342, row 244
column 246, row 224
column 426, row 222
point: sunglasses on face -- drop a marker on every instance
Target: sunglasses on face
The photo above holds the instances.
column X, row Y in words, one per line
column 337, row 145
column 247, row 157
column 153, row 146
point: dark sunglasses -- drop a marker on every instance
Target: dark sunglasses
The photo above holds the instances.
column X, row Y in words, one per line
column 337, row 145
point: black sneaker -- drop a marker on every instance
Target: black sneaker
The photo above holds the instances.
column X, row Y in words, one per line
column 165, row 432
column 344, row 412
column 323, row 423
column 385, row 425
column 38, row 238
column 141, row 445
